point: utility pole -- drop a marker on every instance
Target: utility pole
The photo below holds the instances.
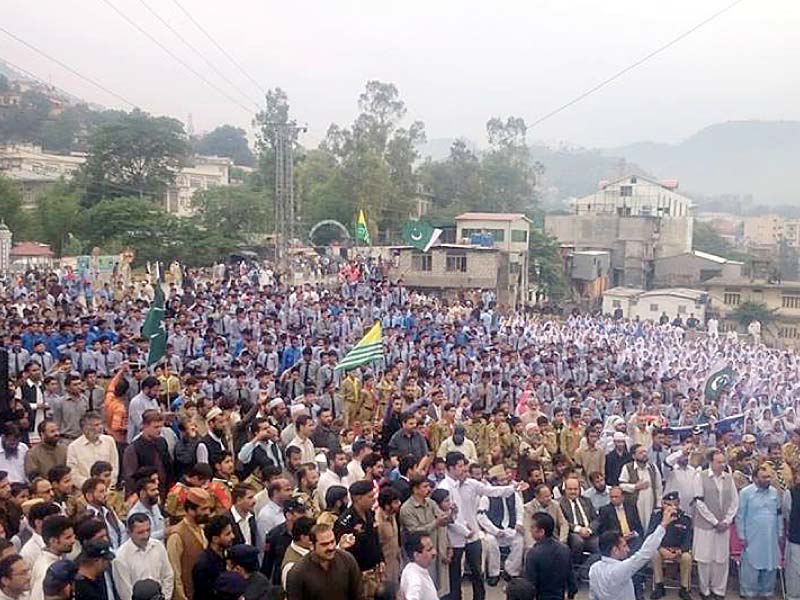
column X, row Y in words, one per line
column 286, row 210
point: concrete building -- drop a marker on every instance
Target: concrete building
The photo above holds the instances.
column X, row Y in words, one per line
column 692, row 268
column 588, row 274
column 651, row 305
column 635, row 219
column 31, row 255
column 448, row 270
column 5, row 248
column 635, row 196
column 509, row 233
column 763, row 230
column 28, row 158
column 203, row 173
column 782, row 299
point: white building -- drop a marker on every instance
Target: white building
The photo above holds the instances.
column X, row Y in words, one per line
column 636, row 303
column 635, row 196
column 29, row 159
column 204, row 172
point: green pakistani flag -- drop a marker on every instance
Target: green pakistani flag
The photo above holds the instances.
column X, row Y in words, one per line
column 153, row 329
column 362, row 231
column 420, row 235
column 720, row 377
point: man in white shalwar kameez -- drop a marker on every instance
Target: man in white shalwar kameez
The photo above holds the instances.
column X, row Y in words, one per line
column 715, row 508
column 641, row 479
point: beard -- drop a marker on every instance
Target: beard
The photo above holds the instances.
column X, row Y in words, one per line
column 11, row 452
column 340, row 471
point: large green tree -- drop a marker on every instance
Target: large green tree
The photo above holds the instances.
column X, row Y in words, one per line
column 57, row 215
column 134, row 154
column 23, row 122
column 11, row 211
column 229, row 141
column 507, row 174
column 546, row 267
column 233, row 211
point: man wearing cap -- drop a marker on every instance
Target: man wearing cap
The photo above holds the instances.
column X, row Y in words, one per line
column 213, row 444
column 187, row 541
column 502, row 520
column 676, row 546
column 617, row 458
column 141, row 557
column 93, row 562
column 359, row 520
column 243, row 559
column 642, row 481
column 715, row 508
column 59, row 580
column 351, row 393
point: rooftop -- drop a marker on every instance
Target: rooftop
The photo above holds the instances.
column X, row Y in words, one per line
column 451, row 247
column 490, row 216
column 717, row 259
column 624, row 292
column 677, row 292
column 26, row 249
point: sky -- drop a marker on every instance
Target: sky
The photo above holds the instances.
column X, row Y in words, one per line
column 455, row 63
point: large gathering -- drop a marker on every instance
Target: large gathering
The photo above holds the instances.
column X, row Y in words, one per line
column 356, row 439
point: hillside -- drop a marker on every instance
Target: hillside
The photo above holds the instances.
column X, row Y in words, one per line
column 737, row 157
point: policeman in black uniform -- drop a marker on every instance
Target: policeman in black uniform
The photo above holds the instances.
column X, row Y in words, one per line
column 675, row 547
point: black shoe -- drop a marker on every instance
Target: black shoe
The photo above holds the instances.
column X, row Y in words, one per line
column 505, row 576
column 685, row 594
column 658, row 592
column 709, row 597
column 492, row 581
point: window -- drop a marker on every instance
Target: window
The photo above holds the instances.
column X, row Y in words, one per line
column 681, row 309
column 519, row 235
column 787, row 332
column 732, row 298
column 498, row 235
column 514, row 268
column 456, row 262
column 654, row 308
column 626, row 190
column 790, row 301
column 421, row 262
column 616, row 303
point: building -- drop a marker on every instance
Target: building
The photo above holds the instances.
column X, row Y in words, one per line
column 509, row 232
column 31, row 255
column 31, row 185
column 588, row 272
column 28, row 158
column 204, row 172
column 635, row 196
column 448, row 270
column 5, row 248
column 763, row 230
column 780, row 298
column 635, row 219
column 651, row 305
column 692, row 268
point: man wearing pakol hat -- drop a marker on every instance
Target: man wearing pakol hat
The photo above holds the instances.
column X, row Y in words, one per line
column 187, row 541
column 359, row 520
column 502, row 520
column 93, row 562
column 676, row 546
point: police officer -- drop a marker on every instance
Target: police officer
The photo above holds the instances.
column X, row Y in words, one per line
column 675, row 547
column 359, row 520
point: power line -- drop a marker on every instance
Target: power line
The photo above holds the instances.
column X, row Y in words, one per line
column 639, row 62
column 67, row 67
column 177, row 58
column 234, row 62
column 198, row 53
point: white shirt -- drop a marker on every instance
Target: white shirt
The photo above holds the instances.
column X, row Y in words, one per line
column 82, row 454
column 244, row 524
column 465, row 496
column 610, row 579
column 307, row 454
column 355, row 472
column 681, row 479
column 14, row 466
column 327, row 480
column 416, row 583
column 133, row 564
column 269, row 516
column 38, row 571
column 32, row 549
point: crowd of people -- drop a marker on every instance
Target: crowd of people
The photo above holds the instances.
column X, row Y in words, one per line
column 487, row 443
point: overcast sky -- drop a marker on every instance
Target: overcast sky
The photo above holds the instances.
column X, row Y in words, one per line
column 456, row 63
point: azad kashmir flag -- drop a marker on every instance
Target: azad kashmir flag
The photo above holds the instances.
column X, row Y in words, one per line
column 362, row 232
column 153, row 329
column 368, row 349
column 420, row 235
column 721, row 376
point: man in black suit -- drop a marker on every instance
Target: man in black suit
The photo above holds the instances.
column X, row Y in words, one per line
column 622, row 516
column 548, row 564
column 582, row 519
column 242, row 517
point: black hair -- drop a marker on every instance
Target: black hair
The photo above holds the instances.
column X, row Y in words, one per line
column 544, row 521
column 57, row 473
column 413, row 542
column 54, row 526
column 453, row 458
column 100, row 467
column 608, row 541
column 302, row 526
column 216, row 525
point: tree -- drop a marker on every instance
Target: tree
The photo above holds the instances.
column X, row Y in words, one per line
column 747, row 312
column 228, row 141
column 546, row 268
column 23, row 122
column 133, row 154
column 706, row 239
column 507, row 173
column 232, row 211
column 323, row 191
column 11, row 210
column 57, row 215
